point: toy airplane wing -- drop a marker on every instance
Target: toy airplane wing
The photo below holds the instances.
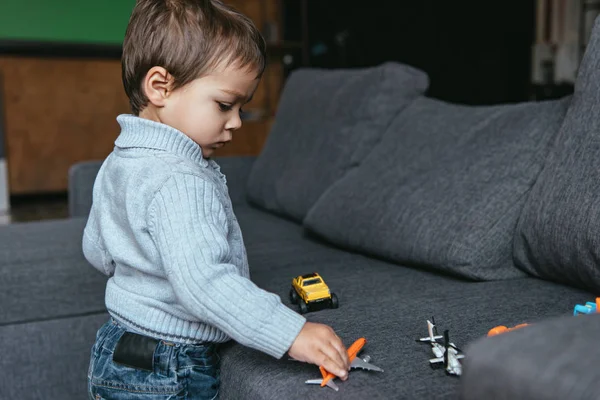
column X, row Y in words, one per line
column 441, row 359
column 319, row 381
column 327, row 380
column 455, row 351
column 438, row 351
column 453, row 346
column 364, row 364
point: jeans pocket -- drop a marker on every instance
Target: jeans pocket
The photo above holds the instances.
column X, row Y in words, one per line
column 111, row 380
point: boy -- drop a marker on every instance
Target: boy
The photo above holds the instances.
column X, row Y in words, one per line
column 162, row 225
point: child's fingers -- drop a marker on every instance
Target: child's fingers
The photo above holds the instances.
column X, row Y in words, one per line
column 339, row 346
column 339, row 366
column 333, row 366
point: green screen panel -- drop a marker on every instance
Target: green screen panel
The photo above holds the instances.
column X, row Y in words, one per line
column 72, row 21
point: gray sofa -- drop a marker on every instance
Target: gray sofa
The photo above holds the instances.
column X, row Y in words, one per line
column 409, row 207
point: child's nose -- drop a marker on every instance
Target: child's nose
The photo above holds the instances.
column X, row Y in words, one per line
column 234, row 123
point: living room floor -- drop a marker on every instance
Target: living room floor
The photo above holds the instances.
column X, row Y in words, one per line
column 38, row 207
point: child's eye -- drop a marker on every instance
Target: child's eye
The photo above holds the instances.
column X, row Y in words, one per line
column 224, row 107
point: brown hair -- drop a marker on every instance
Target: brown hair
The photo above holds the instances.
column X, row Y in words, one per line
column 188, row 38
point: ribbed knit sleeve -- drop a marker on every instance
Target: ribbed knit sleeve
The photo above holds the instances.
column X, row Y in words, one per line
column 190, row 227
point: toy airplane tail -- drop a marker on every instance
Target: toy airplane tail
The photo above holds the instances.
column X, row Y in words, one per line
column 432, row 333
column 326, row 381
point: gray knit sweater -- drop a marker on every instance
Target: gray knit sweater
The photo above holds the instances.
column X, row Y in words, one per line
column 163, row 229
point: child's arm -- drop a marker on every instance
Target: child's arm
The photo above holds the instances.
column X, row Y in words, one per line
column 188, row 223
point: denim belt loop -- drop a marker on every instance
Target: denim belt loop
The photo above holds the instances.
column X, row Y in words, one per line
column 163, row 358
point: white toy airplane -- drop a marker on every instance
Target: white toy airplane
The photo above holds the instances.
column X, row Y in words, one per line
column 448, row 353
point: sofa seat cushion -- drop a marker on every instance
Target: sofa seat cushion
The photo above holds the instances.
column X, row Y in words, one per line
column 553, row 359
column 43, row 273
column 558, row 234
column 327, row 120
column 385, row 303
column 56, row 352
column 444, row 187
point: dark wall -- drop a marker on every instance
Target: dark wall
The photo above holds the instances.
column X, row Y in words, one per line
column 476, row 52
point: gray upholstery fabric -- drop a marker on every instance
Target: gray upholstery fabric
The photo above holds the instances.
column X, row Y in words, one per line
column 553, row 359
column 327, row 121
column 557, row 236
column 236, row 170
column 385, row 303
column 83, row 174
column 43, row 273
column 81, row 184
column 48, row 359
column 40, row 241
column 444, row 187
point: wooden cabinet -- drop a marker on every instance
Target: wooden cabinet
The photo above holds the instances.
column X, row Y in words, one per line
column 61, row 110
column 57, row 112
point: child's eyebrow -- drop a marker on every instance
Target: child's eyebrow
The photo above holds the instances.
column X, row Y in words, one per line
column 237, row 94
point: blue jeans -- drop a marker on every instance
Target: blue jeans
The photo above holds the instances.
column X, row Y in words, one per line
column 179, row 371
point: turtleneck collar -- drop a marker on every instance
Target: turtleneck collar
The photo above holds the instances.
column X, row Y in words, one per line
column 144, row 133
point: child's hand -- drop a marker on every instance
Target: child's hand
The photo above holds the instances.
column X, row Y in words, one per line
column 318, row 344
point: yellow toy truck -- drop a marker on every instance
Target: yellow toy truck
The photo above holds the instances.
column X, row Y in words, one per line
column 311, row 293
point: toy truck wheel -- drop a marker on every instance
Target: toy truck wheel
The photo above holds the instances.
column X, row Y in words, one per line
column 303, row 307
column 334, row 301
column 293, row 296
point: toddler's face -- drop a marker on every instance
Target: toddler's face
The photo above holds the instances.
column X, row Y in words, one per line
column 208, row 109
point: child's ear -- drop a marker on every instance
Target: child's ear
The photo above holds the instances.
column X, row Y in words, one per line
column 157, row 85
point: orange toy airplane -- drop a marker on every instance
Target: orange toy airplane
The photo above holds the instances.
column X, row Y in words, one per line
column 355, row 362
column 501, row 329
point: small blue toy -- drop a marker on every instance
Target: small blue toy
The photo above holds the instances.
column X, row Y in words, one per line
column 589, row 307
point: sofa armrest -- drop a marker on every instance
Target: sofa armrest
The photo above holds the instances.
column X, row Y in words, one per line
column 550, row 359
column 236, row 169
column 81, row 184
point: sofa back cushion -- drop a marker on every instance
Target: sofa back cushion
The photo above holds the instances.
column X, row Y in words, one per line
column 444, row 187
column 326, row 121
column 558, row 236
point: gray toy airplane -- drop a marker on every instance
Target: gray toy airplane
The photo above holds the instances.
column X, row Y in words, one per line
column 448, row 353
column 355, row 362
